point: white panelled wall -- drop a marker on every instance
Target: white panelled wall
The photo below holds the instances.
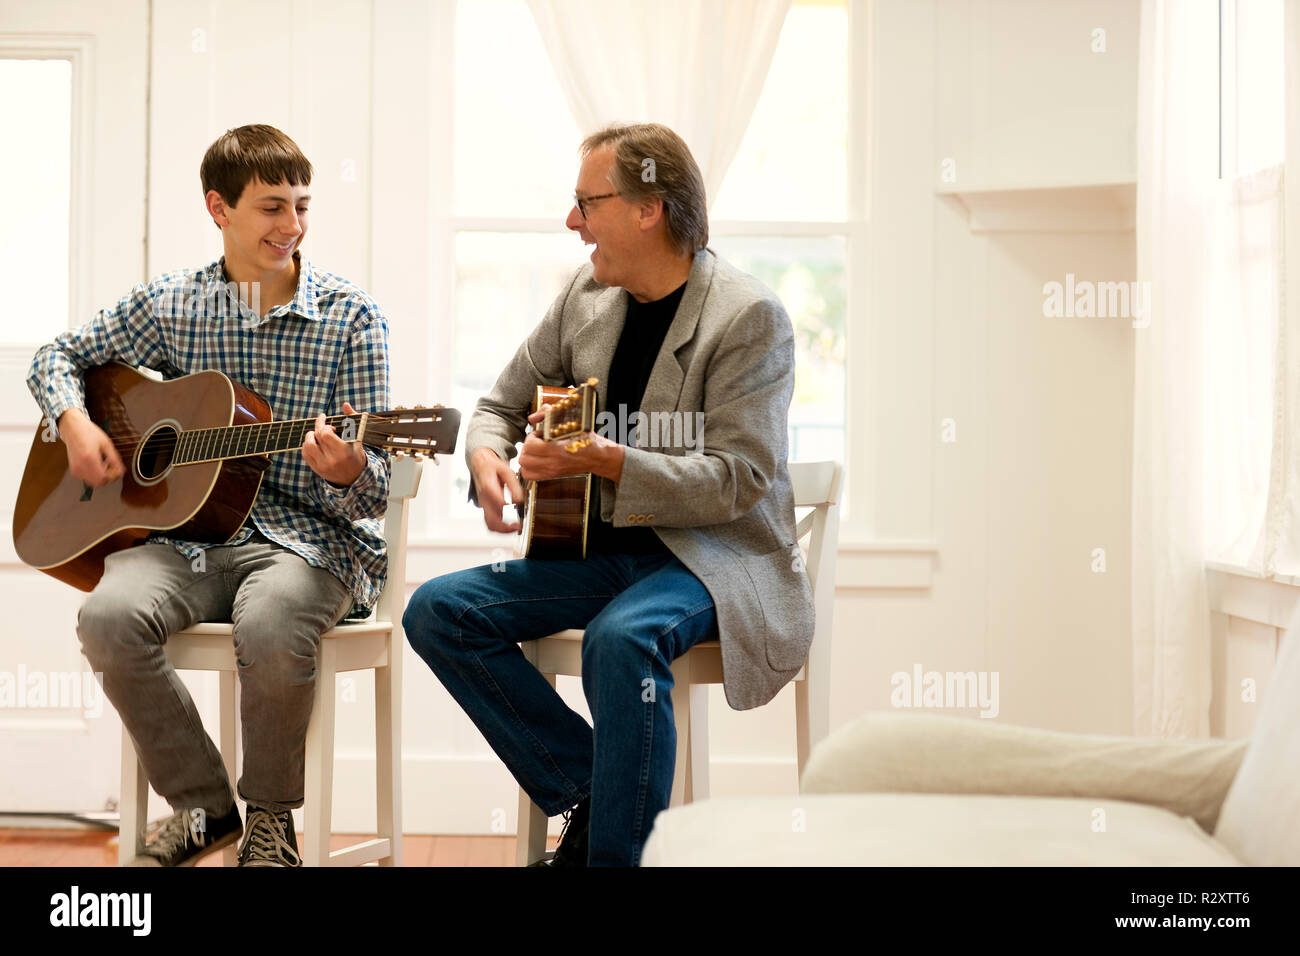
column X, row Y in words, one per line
column 999, row 433
column 997, row 440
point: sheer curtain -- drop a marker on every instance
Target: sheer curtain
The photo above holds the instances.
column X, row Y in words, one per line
column 1241, row 523
column 1283, row 552
column 1177, row 186
column 1216, row 401
column 697, row 66
column 1247, row 346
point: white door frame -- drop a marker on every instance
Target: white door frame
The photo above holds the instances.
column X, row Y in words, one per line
column 62, row 758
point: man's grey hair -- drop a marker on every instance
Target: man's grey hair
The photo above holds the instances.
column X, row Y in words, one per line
column 650, row 160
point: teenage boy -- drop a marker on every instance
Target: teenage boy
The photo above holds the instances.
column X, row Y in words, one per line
column 310, row 342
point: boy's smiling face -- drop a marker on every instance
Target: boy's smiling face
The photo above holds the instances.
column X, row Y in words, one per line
column 264, row 228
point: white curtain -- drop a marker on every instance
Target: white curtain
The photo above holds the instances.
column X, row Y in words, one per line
column 1242, row 328
column 1216, row 463
column 1283, row 553
column 1250, row 465
column 696, row 66
column 1177, row 186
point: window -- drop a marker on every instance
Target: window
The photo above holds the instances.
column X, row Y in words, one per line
column 1241, row 357
column 782, row 213
column 1251, row 112
column 36, row 110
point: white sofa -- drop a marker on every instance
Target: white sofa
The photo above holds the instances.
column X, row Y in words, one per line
column 899, row 789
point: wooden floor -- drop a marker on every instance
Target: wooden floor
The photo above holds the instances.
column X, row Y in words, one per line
column 31, row 847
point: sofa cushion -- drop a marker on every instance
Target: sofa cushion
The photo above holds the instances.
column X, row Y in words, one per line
column 1260, row 820
column 885, row 752
column 886, row 829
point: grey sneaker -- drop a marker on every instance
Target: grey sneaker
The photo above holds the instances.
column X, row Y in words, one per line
column 269, row 840
column 188, row 836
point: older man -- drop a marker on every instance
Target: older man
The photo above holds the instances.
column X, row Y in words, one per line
column 690, row 540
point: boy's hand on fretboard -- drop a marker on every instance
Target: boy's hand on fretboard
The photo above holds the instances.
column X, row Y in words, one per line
column 330, row 456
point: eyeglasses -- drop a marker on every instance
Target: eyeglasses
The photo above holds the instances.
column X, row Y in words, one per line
column 581, row 202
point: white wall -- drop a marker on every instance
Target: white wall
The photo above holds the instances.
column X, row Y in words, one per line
column 1039, row 473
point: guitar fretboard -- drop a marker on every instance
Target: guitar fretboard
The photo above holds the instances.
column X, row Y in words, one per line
column 264, row 438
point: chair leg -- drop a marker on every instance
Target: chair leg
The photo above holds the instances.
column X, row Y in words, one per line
column 699, row 745
column 812, row 719
column 388, row 762
column 319, row 788
column 531, row 823
column 682, row 783
column 227, row 716
column 530, row 844
column 133, row 805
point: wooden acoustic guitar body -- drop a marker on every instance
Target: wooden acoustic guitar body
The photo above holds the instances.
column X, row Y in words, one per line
column 555, row 519
column 65, row 528
column 556, row 522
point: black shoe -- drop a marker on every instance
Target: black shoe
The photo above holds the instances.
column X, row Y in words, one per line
column 270, row 840
column 190, row 835
column 572, row 850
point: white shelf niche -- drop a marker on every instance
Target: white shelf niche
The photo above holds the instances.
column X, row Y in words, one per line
column 1095, row 207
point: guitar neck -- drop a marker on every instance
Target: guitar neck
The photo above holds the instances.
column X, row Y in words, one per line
column 264, row 438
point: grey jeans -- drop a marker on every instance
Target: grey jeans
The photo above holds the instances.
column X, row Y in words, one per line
column 279, row 606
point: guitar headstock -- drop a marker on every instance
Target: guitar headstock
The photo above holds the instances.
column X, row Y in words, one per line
column 571, row 413
column 412, row 431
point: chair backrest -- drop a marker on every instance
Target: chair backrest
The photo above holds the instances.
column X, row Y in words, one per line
column 403, row 483
column 817, row 485
column 1260, row 819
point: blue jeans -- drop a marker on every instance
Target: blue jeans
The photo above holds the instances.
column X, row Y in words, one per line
column 639, row 612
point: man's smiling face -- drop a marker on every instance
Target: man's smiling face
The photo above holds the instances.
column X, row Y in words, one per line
column 610, row 223
column 265, row 227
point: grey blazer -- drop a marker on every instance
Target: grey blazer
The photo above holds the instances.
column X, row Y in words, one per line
column 724, row 507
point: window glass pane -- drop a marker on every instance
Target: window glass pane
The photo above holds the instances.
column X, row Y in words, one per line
column 36, row 165
column 1258, row 113
column 793, row 160
column 1239, row 362
column 808, row 276
column 505, row 282
column 516, row 143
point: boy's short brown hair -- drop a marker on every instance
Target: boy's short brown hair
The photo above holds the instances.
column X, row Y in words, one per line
column 258, row 150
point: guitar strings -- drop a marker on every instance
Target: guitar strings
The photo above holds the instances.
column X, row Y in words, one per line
column 308, row 424
column 171, row 438
column 221, row 450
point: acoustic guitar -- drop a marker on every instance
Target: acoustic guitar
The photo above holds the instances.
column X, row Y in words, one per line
column 194, row 449
column 554, row 513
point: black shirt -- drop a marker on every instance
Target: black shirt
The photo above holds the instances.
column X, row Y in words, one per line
column 638, row 348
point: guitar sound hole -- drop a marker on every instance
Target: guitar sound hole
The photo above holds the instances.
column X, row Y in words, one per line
column 156, row 451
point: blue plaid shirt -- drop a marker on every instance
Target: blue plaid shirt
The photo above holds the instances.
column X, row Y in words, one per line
column 329, row 345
